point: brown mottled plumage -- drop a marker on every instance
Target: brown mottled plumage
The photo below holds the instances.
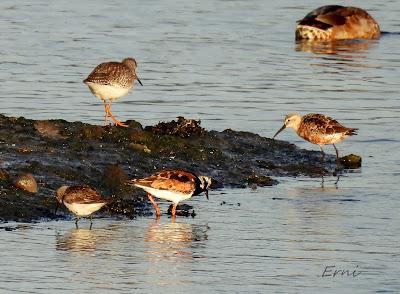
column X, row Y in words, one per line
column 112, row 80
column 172, row 185
column 335, row 22
column 318, row 129
column 81, row 200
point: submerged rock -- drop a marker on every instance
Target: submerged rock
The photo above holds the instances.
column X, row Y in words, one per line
column 261, row 180
column 350, row 161
column 75, row 153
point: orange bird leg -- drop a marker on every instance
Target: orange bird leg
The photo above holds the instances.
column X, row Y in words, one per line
column 117, row 122
column 158, row 211
column 173, row 210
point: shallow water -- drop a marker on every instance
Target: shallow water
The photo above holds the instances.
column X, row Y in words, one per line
column 232, row 64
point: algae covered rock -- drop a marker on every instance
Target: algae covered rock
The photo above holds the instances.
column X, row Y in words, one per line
column 351, row 161
column 260, row 180
column 183, row 128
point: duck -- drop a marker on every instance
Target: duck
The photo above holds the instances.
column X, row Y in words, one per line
column 335, row 22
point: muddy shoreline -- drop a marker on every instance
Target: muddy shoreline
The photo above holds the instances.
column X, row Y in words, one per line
column 57, row 152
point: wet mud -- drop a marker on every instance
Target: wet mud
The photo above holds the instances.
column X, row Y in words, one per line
column 57, row 152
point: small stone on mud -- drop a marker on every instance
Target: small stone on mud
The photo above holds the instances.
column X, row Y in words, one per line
column 351, row 161
column 48, row 129
column 139, row 147
column 260, row 180
column 4, row 175
column 133, row 124
column 114, row 177
column 92, row 132
column 182, row 210
column 26, row 182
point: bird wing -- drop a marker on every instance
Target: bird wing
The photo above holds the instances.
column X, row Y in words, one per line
column 322, row 17
column 338, row 16
column 82, row 195
column 111, row 73
column 319, row 123
column 332, row 19
column 172, row 180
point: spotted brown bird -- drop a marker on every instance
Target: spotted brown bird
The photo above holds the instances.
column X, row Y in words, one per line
column 318, row 129
column 172, row 185
column 112, row 80
column 335, row 22
column 80, row 200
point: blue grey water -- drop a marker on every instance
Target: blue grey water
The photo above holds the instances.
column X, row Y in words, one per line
column 232, row 64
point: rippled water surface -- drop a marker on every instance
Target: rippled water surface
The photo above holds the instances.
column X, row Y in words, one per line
column 232, row 64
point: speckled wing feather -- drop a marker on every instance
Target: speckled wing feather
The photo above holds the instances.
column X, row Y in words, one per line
column 319, row 123
column 82, row 195
column 172, row 180
column 114, row 74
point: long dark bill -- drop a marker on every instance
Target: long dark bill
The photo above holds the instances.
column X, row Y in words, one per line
column 280, row 130
column 140, row 82
column 206, row 192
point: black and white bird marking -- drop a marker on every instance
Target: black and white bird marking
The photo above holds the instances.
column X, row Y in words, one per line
column 172, row 185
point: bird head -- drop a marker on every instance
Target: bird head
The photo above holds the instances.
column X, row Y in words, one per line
column 205, row 183
column 132, row 64
column 292, row 120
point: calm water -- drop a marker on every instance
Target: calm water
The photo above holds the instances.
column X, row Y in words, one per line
column 232, row 64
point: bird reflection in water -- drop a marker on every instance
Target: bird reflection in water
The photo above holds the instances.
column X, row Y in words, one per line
column 335, row 47
column 82, row 240
column 173, row 241
column 336, row 186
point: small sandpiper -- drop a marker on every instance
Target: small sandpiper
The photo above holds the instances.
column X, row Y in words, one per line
column 80, row 200
column 318, row 129
column 172, row 185
column 335, row 22
column 112, row 80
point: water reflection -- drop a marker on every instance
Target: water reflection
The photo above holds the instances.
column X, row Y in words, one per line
column 173, row 241
column 335, row 184
column 335, row 47
column 81, row 240
column 170, row 250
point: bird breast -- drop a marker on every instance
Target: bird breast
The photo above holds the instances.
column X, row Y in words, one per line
column 106, row 92
column 84, row 209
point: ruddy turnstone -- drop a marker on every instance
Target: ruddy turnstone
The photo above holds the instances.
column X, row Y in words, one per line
column 318, row 129
column 112, row 80
column 80, row 200
column 172, row 185
column 335, row 22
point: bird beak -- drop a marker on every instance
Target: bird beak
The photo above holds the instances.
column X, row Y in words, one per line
column 139, row 81
column 55, row 210
column 206, row 192
column 280, row 130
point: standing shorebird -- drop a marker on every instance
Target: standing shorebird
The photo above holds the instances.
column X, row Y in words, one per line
column 80, row 200
column 172, row 185
column 335, row 22
column 112, row 80
column 318, row 129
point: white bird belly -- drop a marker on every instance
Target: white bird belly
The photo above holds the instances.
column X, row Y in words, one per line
column 173, row 196
column 105, row 92
column 81, row 209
